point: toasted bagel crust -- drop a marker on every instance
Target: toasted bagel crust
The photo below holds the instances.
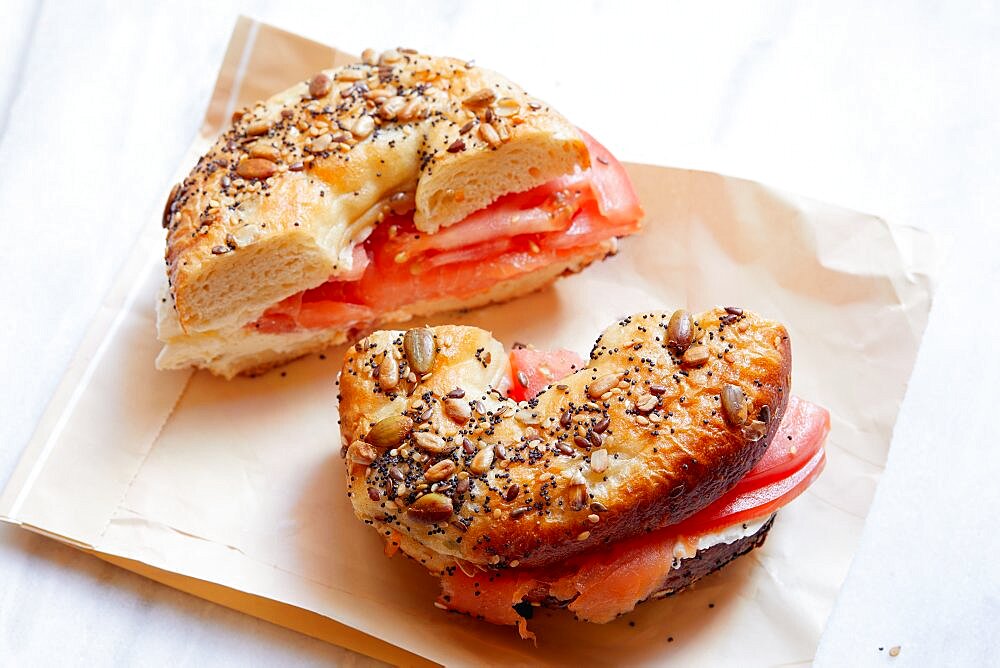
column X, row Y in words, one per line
column 276, row 205
column 636, row 459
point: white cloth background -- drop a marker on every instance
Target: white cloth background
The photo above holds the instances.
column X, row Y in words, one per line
column 891, row 111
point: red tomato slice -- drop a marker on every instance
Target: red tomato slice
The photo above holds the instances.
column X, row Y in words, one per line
column 615, row 192
column 518, row 234
column 539, row 370
column 803, row 429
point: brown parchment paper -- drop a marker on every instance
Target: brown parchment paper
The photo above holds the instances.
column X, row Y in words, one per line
column 234, row 490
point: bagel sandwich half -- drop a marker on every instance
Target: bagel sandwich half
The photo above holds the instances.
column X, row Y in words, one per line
column 537, row 479
column 398, row 186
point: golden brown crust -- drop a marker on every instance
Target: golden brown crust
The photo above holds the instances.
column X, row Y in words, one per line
column 278, row 202
column 638, row 440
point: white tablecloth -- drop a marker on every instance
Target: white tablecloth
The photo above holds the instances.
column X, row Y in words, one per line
column 889, row 111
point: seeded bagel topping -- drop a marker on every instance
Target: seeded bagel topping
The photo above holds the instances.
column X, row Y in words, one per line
column 332, row 113
column 486, row 460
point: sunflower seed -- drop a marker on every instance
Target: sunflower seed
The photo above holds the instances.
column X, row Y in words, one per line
column 603, row 384
column 507, row 106
column 363, row 127
column 389, row 57
column 431, row 508
column 418, row 344
column 680, row 330
column 480, row 98
column 483, row 460
column 319, row 86
column 457, row 410
column 755, row 431
column 261, row 150
column 362, row 453
column 577, row 496
column 440, row 471
column 256, row 168
column 646, row 403
column 258, row 128
column 695, row 356
column 528, row 416
column 599, row 460
column 389, row 432
column 734, row 407
column 390, row 108
column 432, row 443
column 489, row 135
column 388, row 372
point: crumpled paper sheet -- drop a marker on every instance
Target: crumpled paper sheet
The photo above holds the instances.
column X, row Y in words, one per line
column 240, row 483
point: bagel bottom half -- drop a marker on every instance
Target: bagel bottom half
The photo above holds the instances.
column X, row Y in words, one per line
column 244, row 350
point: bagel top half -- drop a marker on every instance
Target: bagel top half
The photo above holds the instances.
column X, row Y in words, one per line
column 277, row 204
column 653, row 429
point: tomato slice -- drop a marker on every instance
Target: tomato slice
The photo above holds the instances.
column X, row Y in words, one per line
column 518, row 234
column 539, row 369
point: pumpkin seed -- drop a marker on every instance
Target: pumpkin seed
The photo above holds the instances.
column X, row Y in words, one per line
column 680, row 330
column 389, row 432
column 432, row 507
column 432, row 443
column 734, row 406
column 603, row 384
column 483, row 460
column 695, row 356
column 440, row 471
column 418, row 344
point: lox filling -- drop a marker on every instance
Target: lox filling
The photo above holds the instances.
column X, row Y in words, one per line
column 609, row 581
column 520, row 233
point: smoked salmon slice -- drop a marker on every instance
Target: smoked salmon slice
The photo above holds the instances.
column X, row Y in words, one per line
column 612, row 580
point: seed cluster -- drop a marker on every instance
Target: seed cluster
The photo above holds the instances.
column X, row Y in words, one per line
column 446, row 459
column 323, row 121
